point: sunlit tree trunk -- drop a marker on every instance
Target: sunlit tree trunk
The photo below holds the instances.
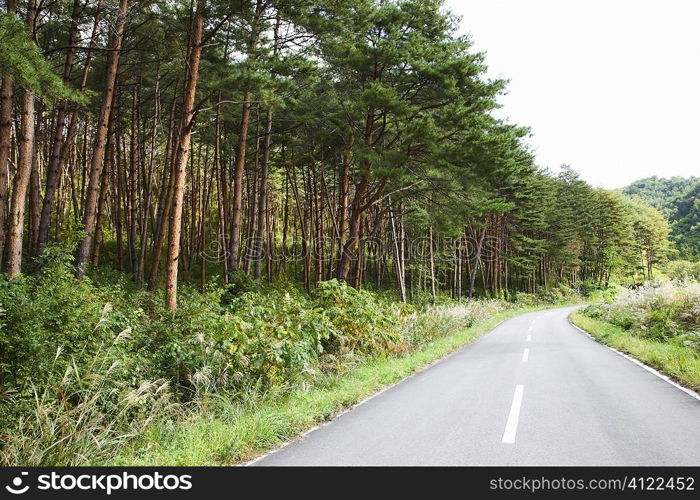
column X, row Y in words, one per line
column 97, row 162
column 179, row 168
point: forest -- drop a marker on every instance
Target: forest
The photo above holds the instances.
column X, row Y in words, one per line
column 200, row 197
column 677, row 198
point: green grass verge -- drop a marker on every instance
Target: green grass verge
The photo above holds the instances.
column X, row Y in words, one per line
column 233, row 432
column 678, row 362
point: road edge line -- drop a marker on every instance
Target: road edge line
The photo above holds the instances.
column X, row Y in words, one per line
column 648, row 368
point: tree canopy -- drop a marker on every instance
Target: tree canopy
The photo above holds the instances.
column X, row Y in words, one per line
column 288, row 139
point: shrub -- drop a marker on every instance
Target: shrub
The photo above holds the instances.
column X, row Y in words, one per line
column 86, row 366
column 40, row 316
column 439, row 321
column 276, row 335
column 662, row 311
column 362, row 323
column 683, row 270
column 238, row 284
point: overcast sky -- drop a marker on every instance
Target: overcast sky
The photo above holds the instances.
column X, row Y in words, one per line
column 611, row 87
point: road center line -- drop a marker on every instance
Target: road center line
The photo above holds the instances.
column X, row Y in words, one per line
column 513, row 416
column 529, row 338
column 529, row 329
column 526, row 354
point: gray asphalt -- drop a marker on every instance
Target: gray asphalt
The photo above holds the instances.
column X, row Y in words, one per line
column 582, row 404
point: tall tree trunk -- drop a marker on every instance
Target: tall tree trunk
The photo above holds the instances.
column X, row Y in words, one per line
column 253, row 184
column 357, row 204
column 262, row 202
column 477, row 262
column 24, row 168
column 238, row 183
column 239, row 169
column 166, row 196
column 53, row 172
column 99, row 148
column 180, row 165
column 104, row 185
column 34, row 195
column 400, row 275
column 19, row 192
column 344, row 195
column 432, row 265
column 5, row 137
column 355, row 225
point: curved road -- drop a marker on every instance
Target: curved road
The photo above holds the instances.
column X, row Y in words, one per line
column 533, row 391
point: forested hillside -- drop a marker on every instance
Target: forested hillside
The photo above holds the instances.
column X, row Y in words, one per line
column 678, row 198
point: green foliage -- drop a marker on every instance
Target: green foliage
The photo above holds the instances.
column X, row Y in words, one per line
column 558, row 294
column 660, row 193
column 686, row 223
column 678, row 358
column 88, row 365
column 47, row 323
column 22, row 61
column 364, row 324
column 683, row 270
column 663, row 312
column 678, row 199
column 276, row 335
column 238, row 284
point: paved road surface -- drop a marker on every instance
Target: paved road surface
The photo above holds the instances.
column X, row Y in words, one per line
column 534, row 391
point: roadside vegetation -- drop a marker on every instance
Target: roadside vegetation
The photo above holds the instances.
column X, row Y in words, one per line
column 657, row 323
column 96, row 366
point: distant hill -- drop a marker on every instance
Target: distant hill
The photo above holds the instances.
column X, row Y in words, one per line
column 678, row 198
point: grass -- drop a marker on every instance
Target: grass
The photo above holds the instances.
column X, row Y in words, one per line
column 234, row 432
column 678, row 362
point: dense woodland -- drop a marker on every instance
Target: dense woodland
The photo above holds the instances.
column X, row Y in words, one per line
column 678, row 198
column 353, row 140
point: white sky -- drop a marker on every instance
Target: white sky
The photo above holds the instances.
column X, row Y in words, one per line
column 611, row 87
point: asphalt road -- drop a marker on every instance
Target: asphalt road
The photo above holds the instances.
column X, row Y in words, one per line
column 533, row 391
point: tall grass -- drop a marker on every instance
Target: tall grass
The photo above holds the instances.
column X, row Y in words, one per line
column 657, row 323
column 86, row 415
column 138, row 371
column 678, row 361
column 236, row 430
column 88, row 370
column 666, row 311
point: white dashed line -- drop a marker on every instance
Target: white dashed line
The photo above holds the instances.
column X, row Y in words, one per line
column 529, row 338
column 526, row 354
column 513, row 416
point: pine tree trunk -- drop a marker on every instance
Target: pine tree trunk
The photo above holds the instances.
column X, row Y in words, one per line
column 53, row 172
column 432, row 266
column 180, row 164
column 99, row 148
column 262, row 202
column 239, row 168
column 21, row 183
column 477, row 261
column 5, row 137
column 238, row 183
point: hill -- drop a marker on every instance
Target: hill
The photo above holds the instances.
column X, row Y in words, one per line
column 678, row 198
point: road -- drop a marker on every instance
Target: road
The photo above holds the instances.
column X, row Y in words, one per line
column 533, row 391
